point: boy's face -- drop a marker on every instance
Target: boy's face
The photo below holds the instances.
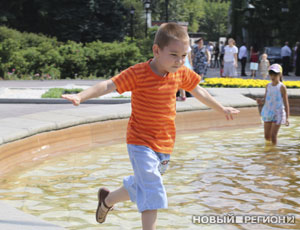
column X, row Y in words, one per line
column 172, row 56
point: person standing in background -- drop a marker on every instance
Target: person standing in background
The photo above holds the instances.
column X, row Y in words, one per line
column 297, row 73
column 295, row 55
column 200, row 57
column 286, row 53
column 230, row 59
column 181, row 94
column 216, row 56
column 222, row 51
column 211, row 52
column 254, row 56
column 243, row 54
column 188, row 63
column 264, row 66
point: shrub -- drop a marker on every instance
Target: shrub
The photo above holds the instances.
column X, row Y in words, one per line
column 106, row 59
column 36, row 56
column 6, row 33
column 75, row 61
column 145, row 45
column 28, row 54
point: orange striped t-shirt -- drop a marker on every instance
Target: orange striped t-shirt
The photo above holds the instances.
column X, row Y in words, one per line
column 153, row 103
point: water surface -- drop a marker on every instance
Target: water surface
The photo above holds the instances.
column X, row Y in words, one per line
column 211, row 173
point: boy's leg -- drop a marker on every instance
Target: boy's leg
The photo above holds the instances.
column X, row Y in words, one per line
column 117, row 196
column 107, row 200
column 146, row 187
column 149, row 219
column 105, row 205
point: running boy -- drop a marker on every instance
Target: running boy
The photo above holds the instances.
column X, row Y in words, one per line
column 151, row 128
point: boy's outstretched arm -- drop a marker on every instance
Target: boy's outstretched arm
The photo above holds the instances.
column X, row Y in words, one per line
column 97, row 90
column 202, row 95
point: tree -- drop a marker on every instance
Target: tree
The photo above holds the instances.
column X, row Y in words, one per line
column 138, row 17
column 215, row 20
column 77, row 20
column 109, row 20
column 202, row 15
column 188, row 11
column 275, row 23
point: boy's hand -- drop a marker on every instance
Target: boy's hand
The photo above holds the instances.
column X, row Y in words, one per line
column 74, row 98
column 229, row 111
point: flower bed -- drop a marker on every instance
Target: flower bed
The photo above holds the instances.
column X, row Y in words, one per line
column 243, row 83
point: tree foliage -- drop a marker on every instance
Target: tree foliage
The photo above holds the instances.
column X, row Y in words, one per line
column 190, row 11
column 210, row 17
column 215, row 20
column 109, row 20
column 272, row 24
column 77, row 20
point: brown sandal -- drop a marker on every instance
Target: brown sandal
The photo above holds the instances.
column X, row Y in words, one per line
column 100, row 213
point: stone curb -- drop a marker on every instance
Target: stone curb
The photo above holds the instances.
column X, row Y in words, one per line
column 62, row 101
column 27, row 125
column 17, row 128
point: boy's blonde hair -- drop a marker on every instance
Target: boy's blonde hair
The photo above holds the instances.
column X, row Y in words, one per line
column 169, row 32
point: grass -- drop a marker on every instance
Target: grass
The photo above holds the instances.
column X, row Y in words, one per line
column 121, row 96
column 57, row 92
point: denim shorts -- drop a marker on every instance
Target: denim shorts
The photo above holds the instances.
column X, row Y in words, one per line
column 146, row 187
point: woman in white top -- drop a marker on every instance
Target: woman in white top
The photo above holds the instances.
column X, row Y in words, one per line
column 230, row 59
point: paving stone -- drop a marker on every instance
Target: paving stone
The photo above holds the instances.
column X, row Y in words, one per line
column 32, row 125
column 9, row 134
column 14, row 219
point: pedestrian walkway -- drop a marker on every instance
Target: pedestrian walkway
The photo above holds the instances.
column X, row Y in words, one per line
column 46, row 83
column 215, row 72
column 18, row 109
